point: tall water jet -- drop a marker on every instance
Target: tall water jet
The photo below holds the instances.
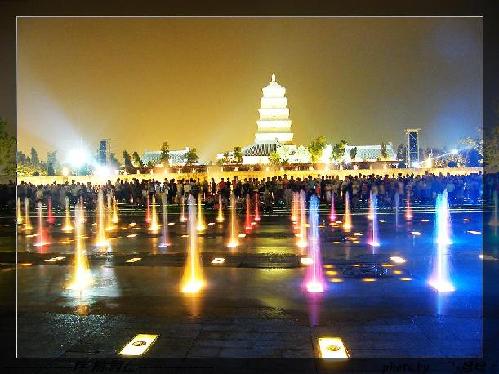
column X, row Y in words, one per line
column 397, row 207
column 148, row 213
column 101, row 218
column 440, row 278
column 294, row 207
column 183, row 218
column 220, row 215
column 40, row 239
column 27, row 222
column 109, row 211
column 257, row 208
column 332, row 213
column 443, row 219
column 192, row 279
column 154, row 225
column 247, row 224
column 374, row 239
column 50, row 216
column 19, row 215
column 302, row 241
column 233, row 234
column 347, row 218
column 68, row 226
column 165, row 239
column 82, row 277
column 370, row 214
column 408, row 209
column 314, row 280
column 115, row 219
column 201, row 226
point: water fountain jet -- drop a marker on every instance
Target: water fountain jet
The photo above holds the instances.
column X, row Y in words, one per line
column 302, row 242
column 347, row 219
column 27, row 222
column 50, row 216
column 19, row 216
column 247, row 225
column 220, row 215
column 332, row 214
column 154, row 225
column 82, row 277
column 233, row 238
column 68, row 227
column 257, row 208
column 201, row 226
column 314, row 279
column 440, row 278
column 192, row 279
column 101, row 230
column 165, row 240
column 374, row 240
column 40, row 239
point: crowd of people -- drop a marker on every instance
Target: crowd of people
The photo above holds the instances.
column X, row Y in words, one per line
column 274, row 191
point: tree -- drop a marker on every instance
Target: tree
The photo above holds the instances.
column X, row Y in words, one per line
column 128, row 162
column 338, row 151
column 353, row 153
column 284, row 154
column 316, row 147
column 383, row 151
column 51, row 163
column 113, row 161
column 301, row 155
column 402, row 155
column 491, row 150
column 226, row 158
column 191, row 157
column 34, row 157
column 473, row 149
column 136, row 160
column 274, row 159
column 238, row 155
column 8, row 147
column 165, row 154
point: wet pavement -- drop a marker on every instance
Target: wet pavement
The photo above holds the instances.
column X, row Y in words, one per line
column 254, row 304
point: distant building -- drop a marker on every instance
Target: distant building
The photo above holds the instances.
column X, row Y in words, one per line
column 412, row 147
column 103, row 152
column 177, row 157
column 369, row 153
column 273, row 125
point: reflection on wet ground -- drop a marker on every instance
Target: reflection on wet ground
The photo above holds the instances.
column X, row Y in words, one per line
column 376, row 300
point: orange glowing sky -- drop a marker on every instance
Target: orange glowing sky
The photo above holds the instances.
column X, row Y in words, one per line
column 197, row 81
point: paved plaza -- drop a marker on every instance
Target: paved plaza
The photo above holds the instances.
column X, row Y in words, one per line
column 254, row 304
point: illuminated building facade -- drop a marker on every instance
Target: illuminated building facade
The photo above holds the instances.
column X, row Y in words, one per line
column 274, row 125
column 177, row 157
column 412, row 147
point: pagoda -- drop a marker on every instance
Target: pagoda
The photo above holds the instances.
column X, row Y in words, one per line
column 274, row 125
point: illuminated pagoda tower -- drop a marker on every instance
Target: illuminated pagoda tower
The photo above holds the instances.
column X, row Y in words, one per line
column 274, row 125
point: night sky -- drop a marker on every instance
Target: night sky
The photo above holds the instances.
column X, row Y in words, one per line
column 197, row 82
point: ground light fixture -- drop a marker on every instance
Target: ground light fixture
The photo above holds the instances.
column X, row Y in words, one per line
column 397, row 259
column 332, row 347
column 134, row 259
column 335, row 280
column 138, row 345
column 474, row 232
column 218, row 260
column 306, row 261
